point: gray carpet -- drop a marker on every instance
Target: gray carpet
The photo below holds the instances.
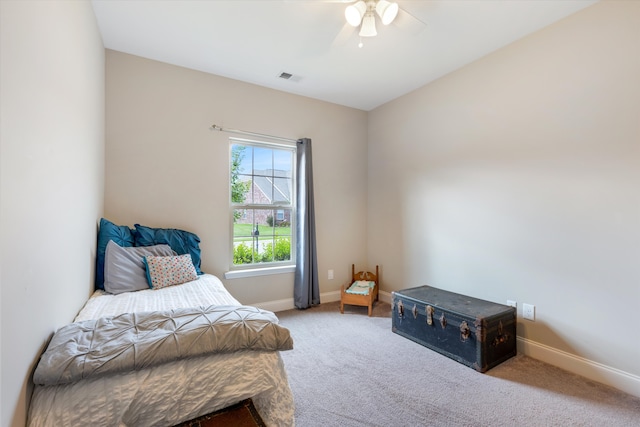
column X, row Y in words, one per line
column 351, row 370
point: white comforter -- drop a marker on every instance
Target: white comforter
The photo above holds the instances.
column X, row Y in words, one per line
column 168, row 394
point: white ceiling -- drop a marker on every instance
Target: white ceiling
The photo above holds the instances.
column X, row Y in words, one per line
column 256, row 40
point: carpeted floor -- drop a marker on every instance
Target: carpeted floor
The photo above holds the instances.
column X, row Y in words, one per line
column 351, row 370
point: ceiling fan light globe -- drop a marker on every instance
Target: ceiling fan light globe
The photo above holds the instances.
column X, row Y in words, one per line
column 387, row 11
column 354, row 13
column 368, row 28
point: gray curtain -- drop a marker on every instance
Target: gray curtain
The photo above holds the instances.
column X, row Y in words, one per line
column 306, row 290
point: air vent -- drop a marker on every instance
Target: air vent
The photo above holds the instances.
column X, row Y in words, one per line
column 285, row 76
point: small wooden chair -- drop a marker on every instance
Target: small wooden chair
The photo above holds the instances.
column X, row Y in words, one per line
column 358, row 292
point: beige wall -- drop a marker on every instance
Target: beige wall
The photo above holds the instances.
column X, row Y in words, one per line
column 51, row 182
column 165, row 168
column 517, row 177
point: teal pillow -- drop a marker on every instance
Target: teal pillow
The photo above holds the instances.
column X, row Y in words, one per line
column 120, row 234
column 183, row 242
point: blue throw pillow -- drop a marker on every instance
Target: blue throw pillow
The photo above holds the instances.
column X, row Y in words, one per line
column 121, row 234
column 183, row 242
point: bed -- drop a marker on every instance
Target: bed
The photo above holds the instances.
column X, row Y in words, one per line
column 167, row 393
column 362, row 291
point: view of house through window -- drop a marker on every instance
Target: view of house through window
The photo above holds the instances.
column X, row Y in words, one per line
column 262, row 187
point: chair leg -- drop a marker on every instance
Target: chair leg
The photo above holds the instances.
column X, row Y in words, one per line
column 370, row 309
column 341, row 307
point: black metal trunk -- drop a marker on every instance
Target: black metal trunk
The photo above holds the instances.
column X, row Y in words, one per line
column 477, row 333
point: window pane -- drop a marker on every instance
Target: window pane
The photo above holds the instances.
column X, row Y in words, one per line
column 282, row 190
column 241, row 174
column 263, row 160
column 242, row 236
column 243, row 223
column 282, row 249
column 262, row 190
column 243, row 155
column 241, row 189
column 283, row 222
column 282, row 163
column 264, row 222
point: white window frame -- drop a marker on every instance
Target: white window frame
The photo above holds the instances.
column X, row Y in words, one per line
column 263, row 268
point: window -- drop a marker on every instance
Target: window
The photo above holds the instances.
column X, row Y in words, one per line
column 262, row 182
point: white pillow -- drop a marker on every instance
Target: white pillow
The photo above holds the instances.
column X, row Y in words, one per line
column 124, row 270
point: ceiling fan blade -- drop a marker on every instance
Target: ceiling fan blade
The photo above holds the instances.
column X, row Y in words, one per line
column 335, row 32
column 344, row 35
column 409, row 22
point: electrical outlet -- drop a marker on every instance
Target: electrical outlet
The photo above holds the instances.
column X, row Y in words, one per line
column 529, row 312
column 330, row 274
column 512, row 303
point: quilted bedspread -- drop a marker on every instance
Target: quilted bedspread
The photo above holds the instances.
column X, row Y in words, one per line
column 134, row 341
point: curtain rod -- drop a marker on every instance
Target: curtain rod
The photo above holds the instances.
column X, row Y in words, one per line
column 243, row 132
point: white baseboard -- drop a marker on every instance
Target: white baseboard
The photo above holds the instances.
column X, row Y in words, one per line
column 287, row 304
column 594, row 371
column 275, row 306
column 385, row 296
column 629, row 383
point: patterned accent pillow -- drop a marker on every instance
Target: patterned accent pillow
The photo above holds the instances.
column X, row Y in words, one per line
column 163, row 271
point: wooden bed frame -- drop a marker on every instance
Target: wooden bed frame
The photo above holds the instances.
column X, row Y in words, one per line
column 361, row 300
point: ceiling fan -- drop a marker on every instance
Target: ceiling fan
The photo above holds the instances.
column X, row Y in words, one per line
column 362, row 13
